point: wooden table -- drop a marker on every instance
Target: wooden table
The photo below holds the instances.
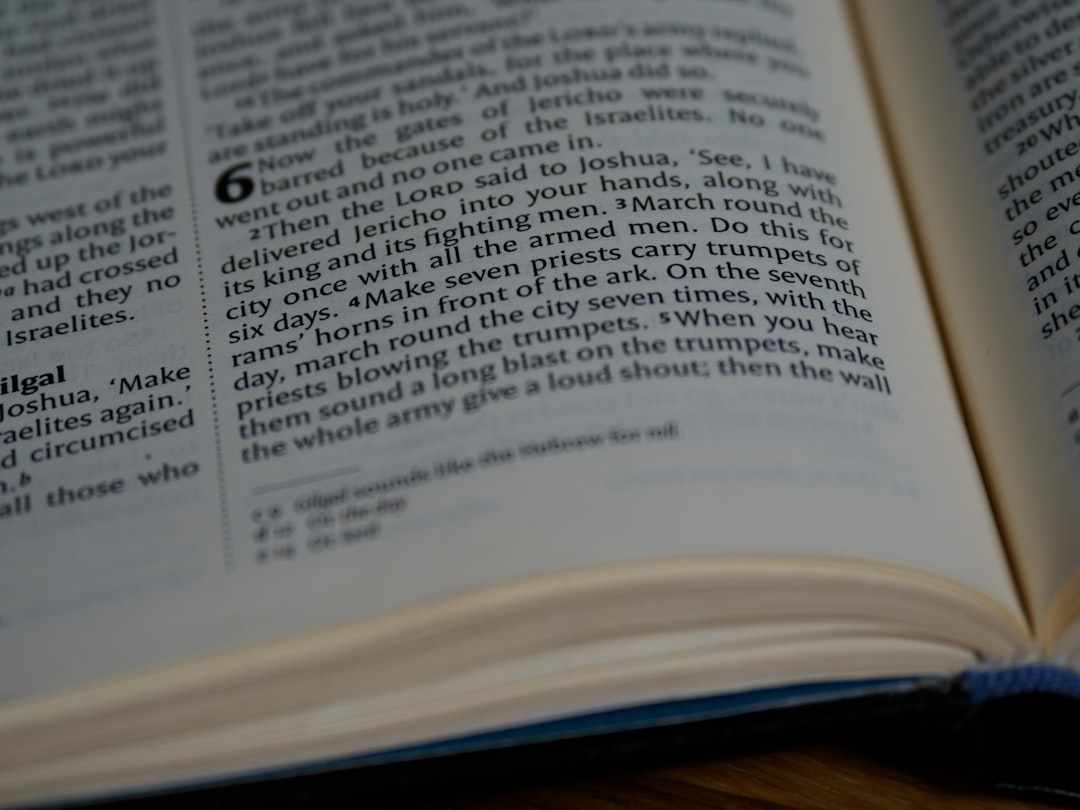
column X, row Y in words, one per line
column 803, row 778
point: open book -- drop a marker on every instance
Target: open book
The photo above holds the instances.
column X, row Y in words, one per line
column 380, row 373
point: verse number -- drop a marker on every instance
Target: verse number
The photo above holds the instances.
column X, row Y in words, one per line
column 232, row 186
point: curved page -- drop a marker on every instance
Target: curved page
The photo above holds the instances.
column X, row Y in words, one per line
column 984, row 124
column 314, row 313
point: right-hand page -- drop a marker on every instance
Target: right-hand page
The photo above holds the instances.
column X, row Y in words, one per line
column 981, row 102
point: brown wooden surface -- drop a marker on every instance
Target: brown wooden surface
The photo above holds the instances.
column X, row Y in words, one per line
column 807, row 778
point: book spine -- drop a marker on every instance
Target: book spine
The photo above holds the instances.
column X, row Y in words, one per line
column 993, row 683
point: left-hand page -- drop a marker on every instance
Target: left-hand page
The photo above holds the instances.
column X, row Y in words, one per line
column 315, row 311
column 109, row 505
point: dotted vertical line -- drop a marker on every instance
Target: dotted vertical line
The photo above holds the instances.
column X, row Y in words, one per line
column 230, row 559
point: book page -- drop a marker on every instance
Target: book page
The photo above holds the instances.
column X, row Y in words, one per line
column 311, row 312
column 985, row 122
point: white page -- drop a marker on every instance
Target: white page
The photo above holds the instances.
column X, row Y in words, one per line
column 456, row 472
column 989, row 157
